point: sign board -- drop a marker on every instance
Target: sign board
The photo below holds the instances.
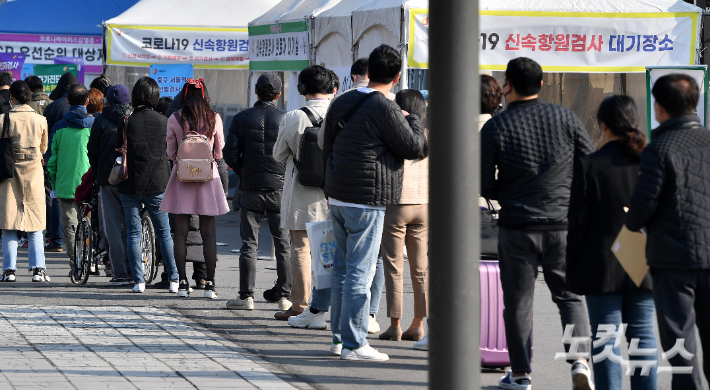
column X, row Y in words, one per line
column 73, row 60
column 50, row 74
column 13, row 63
column 42, row 49
column 573, row 41
column 698, row 72
column 205, row 48
column 171, row 77
column 279, row 47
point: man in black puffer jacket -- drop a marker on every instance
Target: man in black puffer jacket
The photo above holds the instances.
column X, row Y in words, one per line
column 249, row 151
column 102, row 156
column 364, row 163
column 534, row 146
column 672, row 200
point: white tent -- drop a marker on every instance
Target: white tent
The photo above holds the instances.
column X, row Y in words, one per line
column 588, row 6
column 227, row 88
column 284, row 12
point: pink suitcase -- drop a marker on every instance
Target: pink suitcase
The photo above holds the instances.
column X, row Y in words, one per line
column 494, row 348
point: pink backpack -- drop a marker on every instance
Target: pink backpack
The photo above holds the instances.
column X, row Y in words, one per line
column 195, row 158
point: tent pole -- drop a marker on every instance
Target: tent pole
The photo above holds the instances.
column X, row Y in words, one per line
column 454, row 355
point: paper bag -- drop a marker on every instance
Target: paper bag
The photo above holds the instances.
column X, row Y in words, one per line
column 322, row 243
column 630, row 250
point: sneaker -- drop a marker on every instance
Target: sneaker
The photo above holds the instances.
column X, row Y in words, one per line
column 284, row 304
column 8, row 275
column 22, row 243
column 183, row 289
column 272, row 295
column 309, row 320
column 581, row 376
column 162, row 285
column 241, row 304
column 119, row 282
column 515, row 382
column 336, row 349
column 364, row 353
column 210, row 291
column 174, row 287
column 53, row 248
column 423, row 344
column 39, row 275
column 373, row 327
column 139, row 288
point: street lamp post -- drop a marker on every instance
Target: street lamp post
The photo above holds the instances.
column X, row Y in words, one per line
column 454, row 356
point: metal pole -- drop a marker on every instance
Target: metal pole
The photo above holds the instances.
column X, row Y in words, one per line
column 454, row 356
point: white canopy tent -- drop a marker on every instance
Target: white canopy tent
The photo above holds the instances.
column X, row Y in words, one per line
column 226, row 87
column 284, row 12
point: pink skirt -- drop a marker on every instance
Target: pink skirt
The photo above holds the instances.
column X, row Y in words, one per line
column 194, row 198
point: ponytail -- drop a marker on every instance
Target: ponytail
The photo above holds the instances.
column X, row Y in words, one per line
column 620, row 115
column 634, row 142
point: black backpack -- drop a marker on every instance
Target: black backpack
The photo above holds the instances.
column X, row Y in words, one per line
column 310, row 166
column 5, row 106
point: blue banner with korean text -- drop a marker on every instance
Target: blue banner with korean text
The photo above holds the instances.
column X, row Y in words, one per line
column 171, row 77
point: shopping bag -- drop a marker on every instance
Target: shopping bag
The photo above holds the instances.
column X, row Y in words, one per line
column 322, row 243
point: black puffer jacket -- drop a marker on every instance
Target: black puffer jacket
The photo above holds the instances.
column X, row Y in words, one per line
column 148, row 163
column 672, row 195
column 249, row 148
column 102, row 141
column 365, row 160
column 533, row 145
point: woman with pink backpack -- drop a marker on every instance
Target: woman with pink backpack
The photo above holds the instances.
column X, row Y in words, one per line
column 195, row 139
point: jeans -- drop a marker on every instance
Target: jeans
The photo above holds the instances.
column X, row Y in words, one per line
column 683, row 301
column 358, row 233
column 35, row 249
column 70, row 221
column 111, row 214
column 378, row 284
column 320, row 299
column 634, row 308
column 132, row 211
column 520, row 253
column 254, row 205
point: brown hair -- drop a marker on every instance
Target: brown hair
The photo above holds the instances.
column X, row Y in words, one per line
column 96, row 101
column 491, row 95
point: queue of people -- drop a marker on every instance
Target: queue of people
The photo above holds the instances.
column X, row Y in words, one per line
column 538, row 162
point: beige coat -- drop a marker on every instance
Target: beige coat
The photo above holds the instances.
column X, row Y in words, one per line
column 22, row 198
column 299, row 204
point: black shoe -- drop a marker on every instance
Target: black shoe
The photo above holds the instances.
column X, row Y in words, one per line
column 53, row 248
column 163, row 284
column 120, row 282
column 273, row 295
column 184, row 289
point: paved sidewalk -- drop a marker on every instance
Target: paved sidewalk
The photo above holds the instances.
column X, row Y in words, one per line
column 71, row 347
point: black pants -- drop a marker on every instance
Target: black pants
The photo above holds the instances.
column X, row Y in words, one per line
column 682, row 301
column 520, row 253
column 254, row 206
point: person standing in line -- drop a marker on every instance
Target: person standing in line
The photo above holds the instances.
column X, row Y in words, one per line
column 602, row 185
column 102, row 156
column 671, row 200
column 364, row 163
column 54, row 112
column 205, row 199
column 408, row 223
column 303, row 204
column 40, row 100
column 5, row 82
column 533, row 145
column 96, row 102
column 148, row 174
column 70, row 161
column 101, row 83
column 249, row 152
column 22, row 199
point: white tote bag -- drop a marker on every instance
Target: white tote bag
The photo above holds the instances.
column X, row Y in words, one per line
column 322, row 243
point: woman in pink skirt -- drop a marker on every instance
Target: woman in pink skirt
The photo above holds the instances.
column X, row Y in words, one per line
column 204, row 199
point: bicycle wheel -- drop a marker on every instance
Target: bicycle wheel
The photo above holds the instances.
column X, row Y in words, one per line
column 147, row 248
column 82, row 253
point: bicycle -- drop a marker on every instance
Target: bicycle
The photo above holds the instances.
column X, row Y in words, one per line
column 88, row 254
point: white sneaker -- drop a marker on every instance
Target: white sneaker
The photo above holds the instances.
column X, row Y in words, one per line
column 241, row 304
column 581, row 376
column 309, row 320
column 8, row 276
column 336, row 349
column 139, row 288
column 423, row 344
column 284, row 304
column 39, row 275
column 174, row 287
column 373, row 327
column 515, row 382
column 210, row 292
column 364, row 353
